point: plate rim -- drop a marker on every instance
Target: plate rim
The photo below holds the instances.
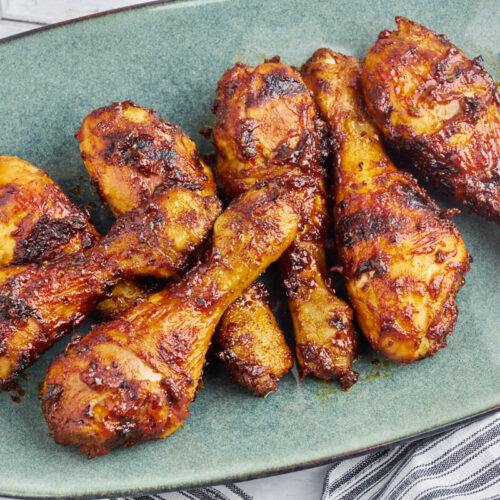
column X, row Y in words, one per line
column 263, row 472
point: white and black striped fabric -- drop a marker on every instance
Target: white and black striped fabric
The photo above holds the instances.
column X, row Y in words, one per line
column 228, row 492
column 463, row 463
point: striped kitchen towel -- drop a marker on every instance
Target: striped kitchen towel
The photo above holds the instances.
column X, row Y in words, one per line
column 461, row 463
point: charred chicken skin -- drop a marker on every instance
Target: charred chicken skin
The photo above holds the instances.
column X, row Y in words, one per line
column 252, row 344
column 440, row 112
column 267, row 126
column 129, row 151
column 123, row 148
column 403, row 259
column 37, row 220
column 133, row 378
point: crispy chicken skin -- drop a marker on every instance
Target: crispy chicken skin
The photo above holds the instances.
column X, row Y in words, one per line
column 251, row 343
column 37, row 220
column 133, row 378
column 129, row 150
column 403, row 259
column 41, row 302
column 439, row 111
column 267, row 126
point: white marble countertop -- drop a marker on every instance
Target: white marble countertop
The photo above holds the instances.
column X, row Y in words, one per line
column 17, row 16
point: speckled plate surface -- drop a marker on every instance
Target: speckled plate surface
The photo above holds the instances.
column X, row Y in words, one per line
column 170, row 56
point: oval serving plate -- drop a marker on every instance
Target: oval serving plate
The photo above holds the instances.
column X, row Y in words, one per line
column 169, row 56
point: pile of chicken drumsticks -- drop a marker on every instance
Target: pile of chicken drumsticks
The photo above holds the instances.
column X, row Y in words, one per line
column 277, row 130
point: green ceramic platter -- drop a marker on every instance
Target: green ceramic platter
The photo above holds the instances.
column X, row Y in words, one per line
column 169, row 56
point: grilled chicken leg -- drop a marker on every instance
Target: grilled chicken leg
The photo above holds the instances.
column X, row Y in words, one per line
column 133, row 379
column 41, row 302
column 440, row 112
column 266, row 126
column 128, row 152
column 403, row 259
